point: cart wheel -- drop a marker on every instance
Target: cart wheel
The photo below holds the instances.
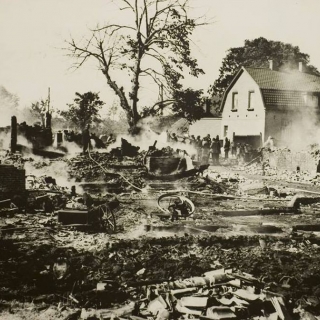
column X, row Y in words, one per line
column 107, row 218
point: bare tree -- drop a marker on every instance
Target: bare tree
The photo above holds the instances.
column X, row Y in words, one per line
column 153, row 43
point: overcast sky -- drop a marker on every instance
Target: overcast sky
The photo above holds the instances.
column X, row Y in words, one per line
column 33, row 31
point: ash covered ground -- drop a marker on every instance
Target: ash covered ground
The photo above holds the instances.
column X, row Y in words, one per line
column 249, row 250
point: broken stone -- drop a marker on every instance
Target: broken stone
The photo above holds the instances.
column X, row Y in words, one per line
column 220, row 313
column 194, row 302
column 107, row 313
column 253, row 188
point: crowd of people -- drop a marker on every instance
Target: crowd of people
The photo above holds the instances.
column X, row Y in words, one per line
column 208, row 148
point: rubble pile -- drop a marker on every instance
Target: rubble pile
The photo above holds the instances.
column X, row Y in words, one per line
column 141, row 271
column 43, row 183
column 132, row 275
column 164, row 152
column 206, row 184
column 216, row 294
column 18, row 160
column 82, row 168
column 217, row 182
column 285, row 175
column 106, row 168
column 258, row 169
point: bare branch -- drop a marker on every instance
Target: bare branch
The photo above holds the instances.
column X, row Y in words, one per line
column 159, row 29
column 137, row 14
column 157, row 57
column 161, row 105
column 129, row 5
column 146, row 19
column 155, row 79
column 115, row 26
column 152, row 70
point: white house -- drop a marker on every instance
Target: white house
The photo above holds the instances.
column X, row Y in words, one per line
column 262, row 102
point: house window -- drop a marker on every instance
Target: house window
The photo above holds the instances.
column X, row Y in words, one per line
column 225, row 131
column 234, row 101
column 251, row 100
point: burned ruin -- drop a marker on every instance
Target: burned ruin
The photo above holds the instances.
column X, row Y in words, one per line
column 136, row 232
column 162, row 225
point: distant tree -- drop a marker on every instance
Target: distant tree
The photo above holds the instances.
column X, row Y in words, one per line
column 189, row 104
column 113, row 111
column 186, row 103
column 39, row 110
column 257, row 53
column 84, row 111
column 151, row 41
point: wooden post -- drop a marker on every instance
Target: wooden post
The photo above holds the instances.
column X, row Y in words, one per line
column 13, row 144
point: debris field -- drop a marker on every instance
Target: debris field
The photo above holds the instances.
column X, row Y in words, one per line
column 249, row 250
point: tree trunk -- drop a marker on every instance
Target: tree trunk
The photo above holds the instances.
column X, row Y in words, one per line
column 85, row 140
column 134, row 92
column 123, row 99
column 136, row 85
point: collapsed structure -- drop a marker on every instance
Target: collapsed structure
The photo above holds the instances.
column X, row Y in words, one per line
column 265, row 277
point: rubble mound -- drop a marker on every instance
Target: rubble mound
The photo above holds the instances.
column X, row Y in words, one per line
column 55, row 273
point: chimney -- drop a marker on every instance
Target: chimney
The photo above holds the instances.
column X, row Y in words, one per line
column 301, row 66
column 271, row 66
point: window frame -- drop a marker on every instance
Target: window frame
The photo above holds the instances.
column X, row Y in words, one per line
column 233, row 107
column 250, row 107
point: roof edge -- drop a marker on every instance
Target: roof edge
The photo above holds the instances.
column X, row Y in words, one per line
column 234, row 80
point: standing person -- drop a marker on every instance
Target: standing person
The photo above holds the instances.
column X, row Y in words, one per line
column 238, row 151
column 246, row 152
column 206, row 141
column 226, row 148
column 168, row 136
column 192, row 141
column 242, row 152
column 233, row 148
column 198, row 145
column 215, row 149
column 208, row 138
column 219, row 148
column 249, row 152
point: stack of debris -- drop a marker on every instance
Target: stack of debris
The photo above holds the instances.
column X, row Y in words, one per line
column 285, row 175
column 43, row 183
column 126, row 149
column 143, row 272
column 206, row 184
column 82, row 168
column 217, row 294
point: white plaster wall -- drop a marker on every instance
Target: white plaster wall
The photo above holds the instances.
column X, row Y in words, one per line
column 204, row 126
column 242, row 121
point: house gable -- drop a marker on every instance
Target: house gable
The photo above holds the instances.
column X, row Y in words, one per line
column 244, row 92
column 243, row 108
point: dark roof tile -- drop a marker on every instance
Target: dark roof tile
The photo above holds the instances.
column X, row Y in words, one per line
column 294, row 81
column 283, row 98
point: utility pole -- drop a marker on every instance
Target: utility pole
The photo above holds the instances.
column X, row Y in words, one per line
column 48, row 114
column 161, row 98
column 49, row 99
